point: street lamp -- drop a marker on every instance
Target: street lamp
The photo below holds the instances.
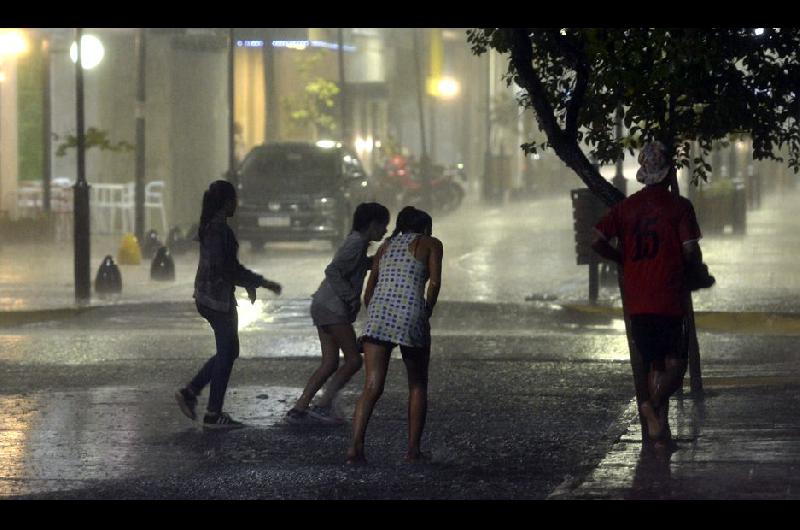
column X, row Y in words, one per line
column 444, row 87
column 441, row 88
column 92, row 51
column 12, row 43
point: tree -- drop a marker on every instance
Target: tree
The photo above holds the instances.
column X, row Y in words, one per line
column 674, row 85
column 94, row 137
column 314, row 107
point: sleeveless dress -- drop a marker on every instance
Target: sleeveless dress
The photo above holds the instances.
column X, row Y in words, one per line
column 397, row 312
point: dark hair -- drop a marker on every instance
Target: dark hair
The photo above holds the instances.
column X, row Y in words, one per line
column 366, row 212
column 410, row 219
column 214, row 199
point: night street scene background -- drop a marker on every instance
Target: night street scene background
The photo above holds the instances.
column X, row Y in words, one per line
column 515, row 140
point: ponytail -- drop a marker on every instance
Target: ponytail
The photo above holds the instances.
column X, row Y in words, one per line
column 411, row 219
column 214, row 199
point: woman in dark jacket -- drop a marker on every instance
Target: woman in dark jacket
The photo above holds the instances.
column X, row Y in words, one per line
column 218, row 274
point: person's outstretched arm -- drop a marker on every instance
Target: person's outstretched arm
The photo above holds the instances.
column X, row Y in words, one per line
column 224, row 261
column 372, row 281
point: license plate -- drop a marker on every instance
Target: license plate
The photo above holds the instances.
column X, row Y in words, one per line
column 274, row 221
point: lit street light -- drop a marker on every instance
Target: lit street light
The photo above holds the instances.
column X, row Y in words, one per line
column 12, row 44
column 92, row 51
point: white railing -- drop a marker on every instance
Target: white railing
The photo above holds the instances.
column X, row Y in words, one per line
column 111, row 205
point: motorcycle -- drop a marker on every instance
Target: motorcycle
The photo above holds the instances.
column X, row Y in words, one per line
column 402, row 184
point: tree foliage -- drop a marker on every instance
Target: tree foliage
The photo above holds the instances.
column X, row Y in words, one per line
column 677, row 85
column 314, row 106
column 93, row 137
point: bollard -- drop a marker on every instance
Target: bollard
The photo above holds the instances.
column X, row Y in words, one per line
column 162, row 268
column 178, row 243
column 129, row 251
column 151, row 244
column 174, row 237
column 108, row 279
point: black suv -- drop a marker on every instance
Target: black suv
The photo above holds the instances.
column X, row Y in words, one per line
column 292, row 191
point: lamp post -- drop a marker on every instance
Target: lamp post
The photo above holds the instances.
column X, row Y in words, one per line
column 139, row 199
column 47, row 169
column 231, row 117
column 81, row 189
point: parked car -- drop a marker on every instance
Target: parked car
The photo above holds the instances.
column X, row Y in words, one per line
column 297, row 191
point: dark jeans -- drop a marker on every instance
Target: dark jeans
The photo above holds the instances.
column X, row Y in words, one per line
column 217, row 369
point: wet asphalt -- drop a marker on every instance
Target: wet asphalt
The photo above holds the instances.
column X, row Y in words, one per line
column 529, row 399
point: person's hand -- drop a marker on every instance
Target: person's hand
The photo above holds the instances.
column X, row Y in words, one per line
column 275, row 287
column 251, row 294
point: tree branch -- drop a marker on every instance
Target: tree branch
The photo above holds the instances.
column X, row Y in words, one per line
column 575, row 103
column 565, row 146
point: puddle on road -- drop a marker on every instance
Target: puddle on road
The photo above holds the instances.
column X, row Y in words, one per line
column 60, row 440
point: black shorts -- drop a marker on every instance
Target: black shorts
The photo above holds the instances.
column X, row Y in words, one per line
column 657, row 337
column 407, row 351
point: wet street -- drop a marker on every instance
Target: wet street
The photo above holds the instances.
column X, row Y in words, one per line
column 530, row 393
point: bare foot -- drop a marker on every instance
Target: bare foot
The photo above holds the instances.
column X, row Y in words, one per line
column 355, row 458
column 654, row 426
column 418, row 457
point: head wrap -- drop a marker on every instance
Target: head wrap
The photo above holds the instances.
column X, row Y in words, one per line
column 654, row 162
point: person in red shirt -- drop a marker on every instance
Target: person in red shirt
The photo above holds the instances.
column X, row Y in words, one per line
column 658, row 239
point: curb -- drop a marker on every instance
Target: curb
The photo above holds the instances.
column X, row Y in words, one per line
column 15, row 318
column 718, row 321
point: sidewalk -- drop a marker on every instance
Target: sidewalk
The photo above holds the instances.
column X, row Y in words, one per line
column 37, row 281
column 742, row 442
column 742, row 439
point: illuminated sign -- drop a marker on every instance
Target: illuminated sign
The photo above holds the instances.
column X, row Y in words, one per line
column 294, row 44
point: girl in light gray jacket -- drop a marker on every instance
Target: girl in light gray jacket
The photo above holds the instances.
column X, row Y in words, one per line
column 334, row 308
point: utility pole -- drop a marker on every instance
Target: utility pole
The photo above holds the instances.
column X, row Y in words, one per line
column 82, row 237
column 272, row 132
column 487, row 190
column 139, row 213
column 344, row 103
column 424, row 162
column 231, row 121
column 47, row 169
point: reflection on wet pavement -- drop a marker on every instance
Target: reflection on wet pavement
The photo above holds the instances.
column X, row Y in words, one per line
column 723, row 451
column 62, row 440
